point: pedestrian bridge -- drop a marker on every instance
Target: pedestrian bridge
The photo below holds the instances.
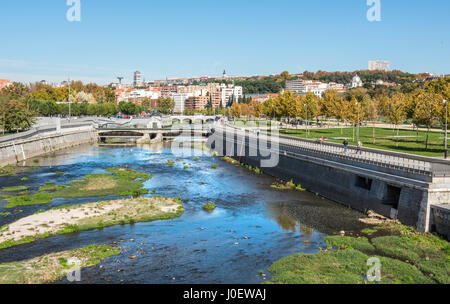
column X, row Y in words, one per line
column 113, row 133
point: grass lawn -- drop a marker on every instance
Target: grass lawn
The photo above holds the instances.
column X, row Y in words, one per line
column 409, row 141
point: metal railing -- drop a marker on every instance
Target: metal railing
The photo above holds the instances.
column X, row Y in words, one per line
column 47, row 128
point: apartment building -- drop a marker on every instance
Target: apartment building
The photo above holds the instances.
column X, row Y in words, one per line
column 230, row 92
column 180, row 101
column 302, row 87
column 216, row 98
column 196, row 103
column 168, row 90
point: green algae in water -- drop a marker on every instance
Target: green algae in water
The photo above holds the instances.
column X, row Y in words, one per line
column 14, row 188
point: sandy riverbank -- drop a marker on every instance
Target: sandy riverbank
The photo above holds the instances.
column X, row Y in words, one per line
column 89, row 216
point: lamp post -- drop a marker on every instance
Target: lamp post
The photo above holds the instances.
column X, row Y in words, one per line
column 306, row 109
column 357, row 126
column 69, row 100
column 446, row 128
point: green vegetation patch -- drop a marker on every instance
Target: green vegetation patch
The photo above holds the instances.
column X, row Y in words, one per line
column 438, row 269
column 406, row 256
column 51, row 267
column 8, row 170
column 412, row 248
column 52, row 188
column 230, row 160
column 280, row 185
column 347, row 242
column 27, row 200
column 124, row 182
column 341, row 267
column 121, row 212
column 209, row 206
column 14, row 188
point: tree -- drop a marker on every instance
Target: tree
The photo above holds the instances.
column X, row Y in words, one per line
column 16, row 91
column 269, row 108
column 327, row 103
column 127, row 108
column 396, row 110
column 312, row 106
column 354, row 112
column 370, row 106
column 257, row 108
column 166, row 105
column 17, row 116
column 4, row 110
column 235, row 110
column 427, row 109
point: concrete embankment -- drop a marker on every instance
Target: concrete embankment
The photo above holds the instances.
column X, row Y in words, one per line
column 15, row 151
column 398, row 186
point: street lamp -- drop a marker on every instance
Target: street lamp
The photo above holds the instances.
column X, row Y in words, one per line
column 69, row 100
column 306, row 109
column 446, row 128
column 357, row 126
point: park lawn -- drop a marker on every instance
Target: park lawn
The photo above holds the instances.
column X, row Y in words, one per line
column 384, row 140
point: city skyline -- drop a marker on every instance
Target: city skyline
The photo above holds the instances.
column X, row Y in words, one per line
column 244, row 39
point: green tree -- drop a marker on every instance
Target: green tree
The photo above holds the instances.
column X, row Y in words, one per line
column 166, row 105
column 427, row 110
column 18, row 116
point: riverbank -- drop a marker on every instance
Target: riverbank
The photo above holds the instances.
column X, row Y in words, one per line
column 63, row 220
column 120, row 181
column 405, row 256
column 53, row 266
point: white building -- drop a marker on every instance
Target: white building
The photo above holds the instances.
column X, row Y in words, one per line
column 180, row 100
column 302, row 87
column 296, row 86
column 356, row 82
column 228, row 92
column 379, row 65
column 137, row 94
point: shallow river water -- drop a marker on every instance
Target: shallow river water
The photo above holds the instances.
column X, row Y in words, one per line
column 198, row 247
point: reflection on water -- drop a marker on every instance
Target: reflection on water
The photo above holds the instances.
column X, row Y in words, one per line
column 198, row 247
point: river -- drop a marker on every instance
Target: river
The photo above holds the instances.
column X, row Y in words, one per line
column 253, row 225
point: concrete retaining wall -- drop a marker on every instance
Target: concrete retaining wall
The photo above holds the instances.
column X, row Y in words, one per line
column 441, row 219
column 15, row 151
column 395, row 196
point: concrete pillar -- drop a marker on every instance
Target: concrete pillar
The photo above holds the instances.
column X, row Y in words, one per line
column 58, row 125
column 423, row 221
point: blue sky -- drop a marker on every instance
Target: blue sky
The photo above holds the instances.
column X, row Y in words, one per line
column 198, row 37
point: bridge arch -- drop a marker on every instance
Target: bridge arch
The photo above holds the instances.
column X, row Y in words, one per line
column 188, row 120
